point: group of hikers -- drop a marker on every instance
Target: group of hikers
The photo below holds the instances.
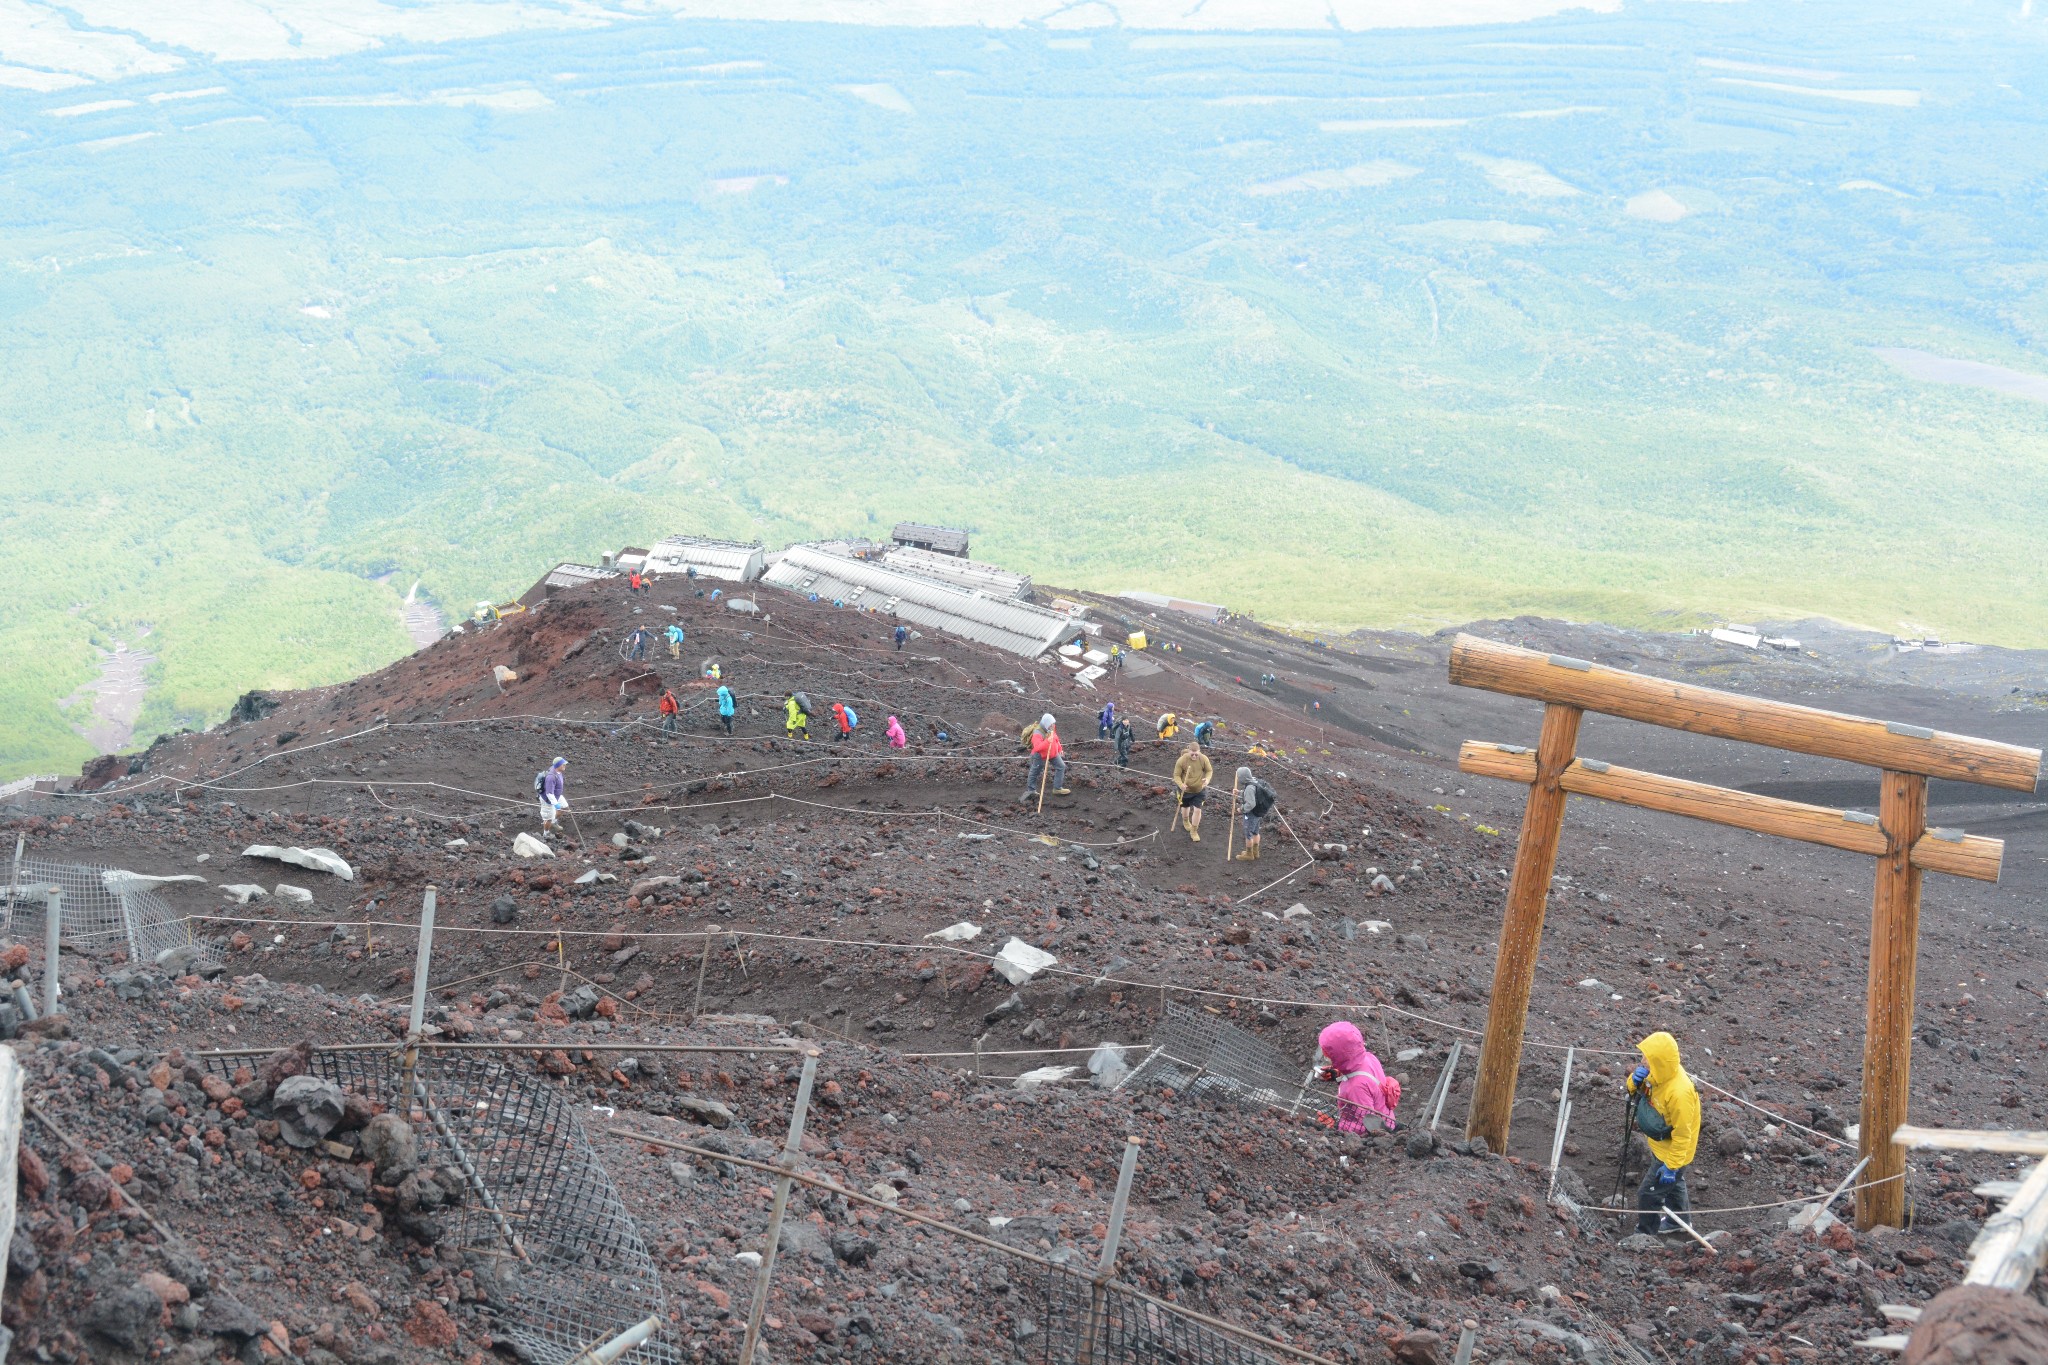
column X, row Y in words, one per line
column 1663, row 1105
column 1252, row 798
column 796, row 721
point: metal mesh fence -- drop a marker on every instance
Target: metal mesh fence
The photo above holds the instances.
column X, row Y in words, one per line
column 535, row 1186
column 1198, row 1054
column 101, row 906
column 1090, row 1325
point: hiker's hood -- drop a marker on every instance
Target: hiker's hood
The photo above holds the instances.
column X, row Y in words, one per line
column 1343, row 1045
column 1660, row 1052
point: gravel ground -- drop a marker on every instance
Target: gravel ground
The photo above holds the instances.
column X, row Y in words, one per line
column 825, row 867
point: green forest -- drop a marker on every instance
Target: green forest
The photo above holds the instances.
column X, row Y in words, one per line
column 1573, row 317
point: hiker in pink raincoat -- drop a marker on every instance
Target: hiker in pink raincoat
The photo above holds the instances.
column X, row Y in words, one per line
column 897, row 739
column 1363, row 1088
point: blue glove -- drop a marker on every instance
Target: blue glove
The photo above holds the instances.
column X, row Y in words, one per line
column 1637, row 1077
column 1665, row 1175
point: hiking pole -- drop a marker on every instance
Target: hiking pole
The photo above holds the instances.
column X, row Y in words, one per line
column 1628, row 1129
column 1230, row 835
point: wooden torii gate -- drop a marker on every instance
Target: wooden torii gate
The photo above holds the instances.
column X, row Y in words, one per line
column 1898, row 837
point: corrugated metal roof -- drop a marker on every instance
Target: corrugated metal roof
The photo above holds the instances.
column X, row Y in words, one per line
column 730, row 560
column 944, row 539
column 1015, row 626
column 1207, row 610
column 964, row 573
column 572, row 575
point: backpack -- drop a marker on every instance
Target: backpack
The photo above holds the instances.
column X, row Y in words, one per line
column 1262, row 798
column 1649, row 1122
column 851, row 719
column 803, row 703
column 540, row 782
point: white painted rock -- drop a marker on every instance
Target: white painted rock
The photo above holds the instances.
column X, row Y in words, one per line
column 243, row 893
column 955, row 933
column 317, row 859
column 294, row 893
column 526, row 846
column 1019, row 961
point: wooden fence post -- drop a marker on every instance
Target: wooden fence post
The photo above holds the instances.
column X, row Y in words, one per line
column 1888, row 1028
column 792, row 1148
column 53, row 944
column 1514, row 967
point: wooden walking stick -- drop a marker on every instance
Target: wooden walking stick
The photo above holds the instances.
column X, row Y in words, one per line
column 1173, row 820
column 1230, row 835
column 1044, row 774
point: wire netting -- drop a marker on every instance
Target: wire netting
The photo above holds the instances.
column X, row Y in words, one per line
column 1087, row 1324
column 100, row 905
column 533, row 1179
column 1197, row 1054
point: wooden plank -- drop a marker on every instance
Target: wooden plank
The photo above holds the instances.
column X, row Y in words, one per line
column 2018, row 1143
column 1754, row 720
column 1899, row 1312
column 1949, row 851
column 1959, row 854
column 1890, row 1341
column 2009, row 1250
column 1514, row 966
column 1888, row 1018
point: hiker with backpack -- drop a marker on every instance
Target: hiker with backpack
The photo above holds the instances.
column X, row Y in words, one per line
column 675, row 640
column 902, row 633
column 1364, row 1089
column 1191, row 774
column 796, row 711
column 1105, row 720
column 1168, row 726
column 846, row 718
column 1121, row 734
column 636, row 644
column 1666, row 1108
column 550, row 784
column 1046, row 750
column 1255, row 801
column 669, row 709
column 1204, row 732
column 725, row 707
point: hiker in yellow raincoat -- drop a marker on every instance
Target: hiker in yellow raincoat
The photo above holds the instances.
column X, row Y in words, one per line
column 1667, row 1113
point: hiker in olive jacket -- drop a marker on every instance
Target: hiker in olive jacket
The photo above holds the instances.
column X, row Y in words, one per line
column 1191, row 774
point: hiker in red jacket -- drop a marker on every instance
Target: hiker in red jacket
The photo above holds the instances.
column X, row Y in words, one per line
column 1046, row 749
column 669, row 710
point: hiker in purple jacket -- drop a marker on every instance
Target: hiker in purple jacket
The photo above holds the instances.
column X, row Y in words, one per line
column 554, row 797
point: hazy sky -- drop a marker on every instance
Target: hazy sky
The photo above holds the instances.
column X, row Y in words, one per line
column 51, row 47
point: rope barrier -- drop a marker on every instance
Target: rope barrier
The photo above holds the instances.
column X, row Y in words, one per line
column 889, row 946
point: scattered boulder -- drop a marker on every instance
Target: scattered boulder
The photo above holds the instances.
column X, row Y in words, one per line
column 307, row 1108
column 504, row 910
column 704, row 1111
column 391, row 1146
column 1420, row 1347
column 526, row 846
column 128, row 1315
column 1978, row 1325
